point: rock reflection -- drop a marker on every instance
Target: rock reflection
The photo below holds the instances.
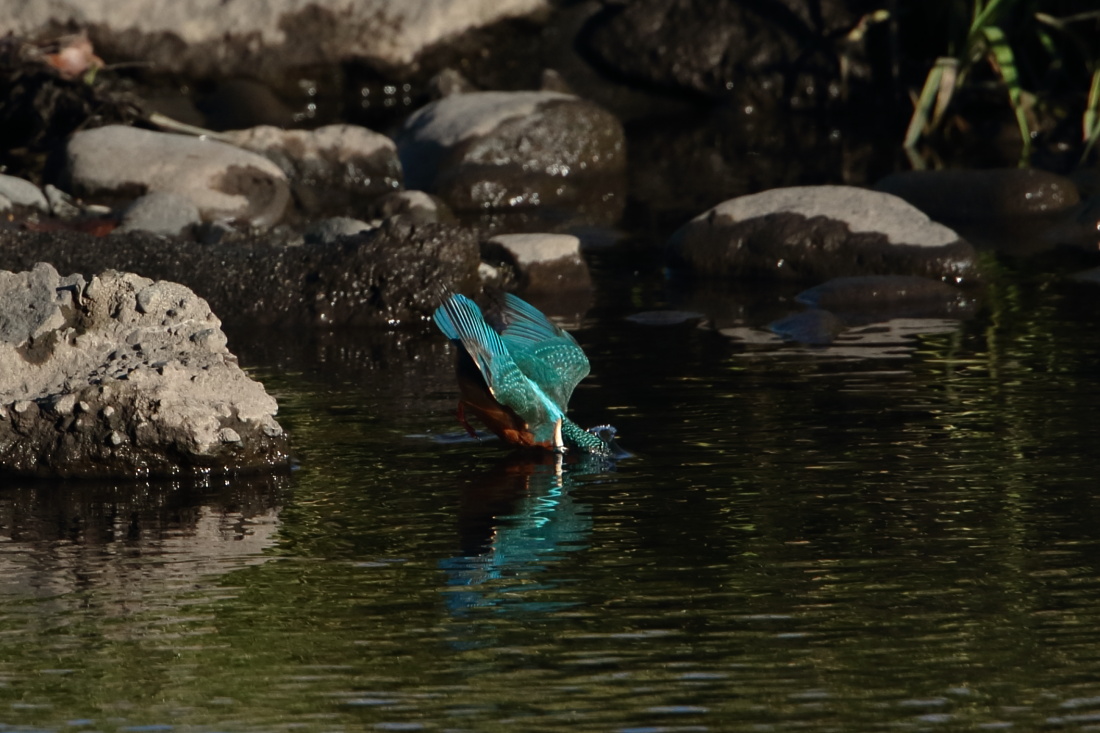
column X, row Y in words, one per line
column 122, row 546
column 512, row 522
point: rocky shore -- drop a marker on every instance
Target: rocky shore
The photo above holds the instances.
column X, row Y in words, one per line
column 427, row 147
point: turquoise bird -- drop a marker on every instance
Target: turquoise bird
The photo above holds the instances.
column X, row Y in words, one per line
column 517, row 375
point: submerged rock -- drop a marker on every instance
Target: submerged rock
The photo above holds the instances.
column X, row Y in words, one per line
column 224, row 182
column 336, row 170
column 981, row 195
column 123, row 376
column 819, row 232
column 503, row 150
column 879, row 292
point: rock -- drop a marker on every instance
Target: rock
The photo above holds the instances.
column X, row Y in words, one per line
column 819, row 232
column 417, row 205
column 160, row 213
column 124, row 376
column 337, row 170
column 328, row 231
column 501, row 150
column 877, row 292
column 221, row 180
column 752, row 52
column 959, row 196
column 542, row 262
column 62, row 205
column 18, row 192
column 216, row 39
column 814, row 327
column 379, row 278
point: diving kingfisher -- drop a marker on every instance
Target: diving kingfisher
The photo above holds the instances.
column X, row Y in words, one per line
column 516, row 375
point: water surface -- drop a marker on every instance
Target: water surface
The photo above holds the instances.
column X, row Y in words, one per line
column 895, row 532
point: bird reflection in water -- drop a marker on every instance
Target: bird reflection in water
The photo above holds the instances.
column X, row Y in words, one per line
column 514, row 522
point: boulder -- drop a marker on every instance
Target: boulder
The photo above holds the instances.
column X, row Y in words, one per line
column 816, row 233
column 18, row 192
column 213, row 38
column 752, row 52
column 541, row 262
column 336, row 170
column 223, row 181
column 503, row 150
column 123, row 376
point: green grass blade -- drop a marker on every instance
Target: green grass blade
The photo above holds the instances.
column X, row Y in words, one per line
column 924, row 112
column 1091, row 119
column 1004, row 63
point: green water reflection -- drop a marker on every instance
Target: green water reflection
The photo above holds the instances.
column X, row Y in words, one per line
column 805, row 540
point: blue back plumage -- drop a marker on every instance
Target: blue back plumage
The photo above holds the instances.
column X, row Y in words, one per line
column 461, row 320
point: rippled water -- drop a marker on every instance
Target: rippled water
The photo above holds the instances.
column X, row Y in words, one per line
column 896, row 532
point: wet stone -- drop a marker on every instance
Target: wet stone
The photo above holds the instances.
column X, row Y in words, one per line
column 816, row 233
column 542, row 262
column 505, row 150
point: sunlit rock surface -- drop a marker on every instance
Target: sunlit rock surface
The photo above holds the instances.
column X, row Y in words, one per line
column 819, row 232
column 223, row 182
column 212, row 37
column 123, row 376
column 541, row 262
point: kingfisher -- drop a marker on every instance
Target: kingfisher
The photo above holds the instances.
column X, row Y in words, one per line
column 516, row 373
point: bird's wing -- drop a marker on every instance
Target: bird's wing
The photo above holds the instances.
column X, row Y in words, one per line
column 548, row 355
column 461, row 320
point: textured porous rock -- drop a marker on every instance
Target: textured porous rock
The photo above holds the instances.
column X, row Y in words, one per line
column 542, row 262
column 751, row 51
column 502, row 150
column 336, row 170
column 18, row 192
column 160, row 212
column 224, row 182
column 376, row 278
column 123, row 376
column 981, row 195
column 816, row 233
column 214, row 38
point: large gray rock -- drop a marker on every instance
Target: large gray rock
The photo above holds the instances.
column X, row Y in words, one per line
column 18, row 192
column 123, row 376
column 224, row 182
column 503, row 150
column 819, row 232
column 336, row 170
column 214, row 38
